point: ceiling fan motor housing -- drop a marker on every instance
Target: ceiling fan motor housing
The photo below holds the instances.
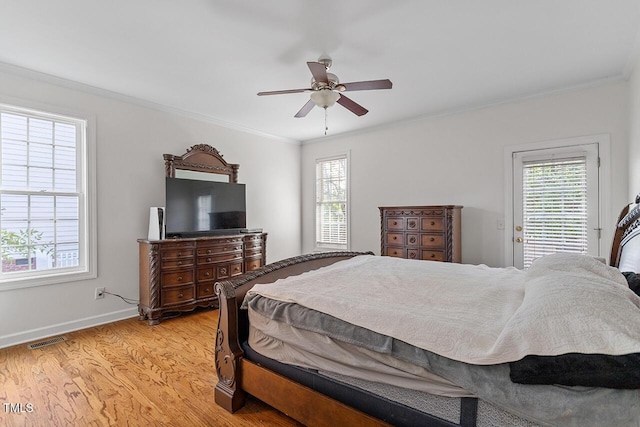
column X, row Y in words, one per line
column 332, row 82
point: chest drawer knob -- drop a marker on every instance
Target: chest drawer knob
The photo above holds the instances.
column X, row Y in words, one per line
column 395, row 238
column 432, row 239
column 208, row 259
column 180, row 295
column 395, row 222
column 433, row 255
column 179, row 262
column 180, row 278
column 207, row 274
column 208, row 251
column 433, row 223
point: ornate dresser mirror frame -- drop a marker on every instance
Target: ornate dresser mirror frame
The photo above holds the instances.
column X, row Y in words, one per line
column 201, row 158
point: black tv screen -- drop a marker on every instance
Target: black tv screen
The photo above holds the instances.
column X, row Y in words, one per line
column 195, row 207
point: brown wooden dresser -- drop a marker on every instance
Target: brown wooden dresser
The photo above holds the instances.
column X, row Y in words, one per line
column 421, row 232
column 178, row 275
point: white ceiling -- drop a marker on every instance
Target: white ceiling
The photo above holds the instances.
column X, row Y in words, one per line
column 209, row 58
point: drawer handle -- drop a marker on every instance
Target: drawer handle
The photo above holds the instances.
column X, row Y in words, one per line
column 180, row 278
column 208, row 259
column 433, row 223
column 432, row 239
column 395, row 238
column 179, row 262
column 180, row 295
column 395, row 222
column 208, row 251
column 207, row 274
column 433, row 255
column 207, row 290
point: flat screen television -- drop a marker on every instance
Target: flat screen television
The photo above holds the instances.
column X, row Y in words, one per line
column 194, row 207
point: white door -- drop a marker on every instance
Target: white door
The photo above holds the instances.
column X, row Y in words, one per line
column 555, row 202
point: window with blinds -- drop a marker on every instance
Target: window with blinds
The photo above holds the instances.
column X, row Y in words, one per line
column 554, row 207
column 331, row 203
column 43, row 208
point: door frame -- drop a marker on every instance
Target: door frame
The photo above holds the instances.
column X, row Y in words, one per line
column 604, row 174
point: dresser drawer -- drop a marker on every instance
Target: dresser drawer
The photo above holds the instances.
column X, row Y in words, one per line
column 396, row 252
column 395, row 239
column 221, row 257
column 432, row 224
column 412, row 224
column 253, row 264
column 170, row 245
column 432, row 240
column 177, row 278
column 228, row 270
column 248, row 253
column 178, row 295
column 207, row 273
column 206, row 289
column 412, row 239
column 177, row 263
column 219, row 249
column 413, row 254
column 253, row 243
column 432, row 255
column 395, row 224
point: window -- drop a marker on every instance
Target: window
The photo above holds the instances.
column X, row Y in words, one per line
column 44, row 200
column 332, row 214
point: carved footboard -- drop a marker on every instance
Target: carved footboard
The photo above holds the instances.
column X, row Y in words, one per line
column 233, row 324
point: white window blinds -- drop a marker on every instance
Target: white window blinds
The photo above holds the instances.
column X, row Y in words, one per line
column 331, row 203
column 554, row 207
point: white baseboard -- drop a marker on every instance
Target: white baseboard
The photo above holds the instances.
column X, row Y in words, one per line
column 63, row 328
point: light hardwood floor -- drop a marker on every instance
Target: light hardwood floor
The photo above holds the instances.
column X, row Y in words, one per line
column 123, row 373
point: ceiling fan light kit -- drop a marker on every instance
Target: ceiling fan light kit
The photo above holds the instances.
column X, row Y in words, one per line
column 326, row 90
column 325, row 98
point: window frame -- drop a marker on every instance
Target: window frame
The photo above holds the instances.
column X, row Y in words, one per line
column 320, row 246
column 86, row 166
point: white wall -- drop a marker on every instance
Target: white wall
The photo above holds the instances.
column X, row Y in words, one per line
column 458, row 159
column 634, row 132
column 130, row 178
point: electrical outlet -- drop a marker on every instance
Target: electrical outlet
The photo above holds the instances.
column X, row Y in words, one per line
column 99, row 293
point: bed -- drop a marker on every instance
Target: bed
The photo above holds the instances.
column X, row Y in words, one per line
column 508, row 348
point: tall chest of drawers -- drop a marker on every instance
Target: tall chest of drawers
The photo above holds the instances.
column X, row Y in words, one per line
column 421, row 232
column 178, row 275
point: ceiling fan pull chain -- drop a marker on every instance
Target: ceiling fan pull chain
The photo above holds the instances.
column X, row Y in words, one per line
column 326, row 127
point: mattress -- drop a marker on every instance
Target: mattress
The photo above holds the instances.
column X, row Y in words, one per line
column 299, row 336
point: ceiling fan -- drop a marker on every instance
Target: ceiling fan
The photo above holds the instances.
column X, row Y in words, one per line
column 326, row 89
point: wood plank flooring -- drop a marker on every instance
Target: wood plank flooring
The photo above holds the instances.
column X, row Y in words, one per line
column 125, row 373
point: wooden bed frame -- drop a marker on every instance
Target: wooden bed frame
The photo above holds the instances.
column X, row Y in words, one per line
column 238, row 376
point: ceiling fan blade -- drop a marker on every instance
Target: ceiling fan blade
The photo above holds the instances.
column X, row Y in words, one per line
column 352, row 106
column 282, row 92
column 305, row 109
column 368, row 85
column 319, row 71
